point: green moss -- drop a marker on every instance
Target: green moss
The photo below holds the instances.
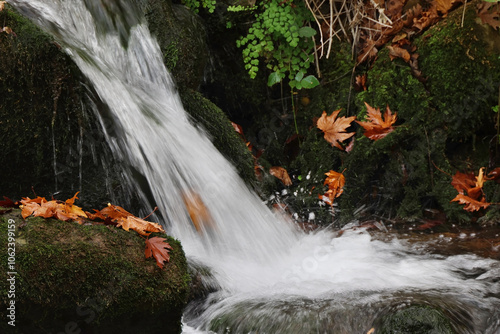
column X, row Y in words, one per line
column 94, row 276
column 218, row 126
column 439, row 120
column 415, row 319
column 181, row 37
column 49, row 139
column 462, row 74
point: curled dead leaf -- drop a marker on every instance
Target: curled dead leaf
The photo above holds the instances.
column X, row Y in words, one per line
column 335, row 182
column 281, row 174
column 471, row 204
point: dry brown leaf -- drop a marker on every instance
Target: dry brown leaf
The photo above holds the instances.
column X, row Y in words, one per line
column 2, row 5
column 489, row 14
column 335, row 182
column 281, row 174
column 40, row 207
column 470, row 203
column 412, row 15
column 494, row 175
column 139, row 225
column 197, row 210
column 159, row 249
column 334, row 128
column 360, row 82
column 395, row 51
column 427, row 19
column 126, row 220
column 376, row 127
column 463, row 181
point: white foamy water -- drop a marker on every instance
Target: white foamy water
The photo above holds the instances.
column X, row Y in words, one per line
column 252, row 254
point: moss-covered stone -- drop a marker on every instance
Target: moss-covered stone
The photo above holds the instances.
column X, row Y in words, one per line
column 182, row 39
column 218, row 126
column 48, row 140
column 415, row 319
column 440, row 121
column 93, row 278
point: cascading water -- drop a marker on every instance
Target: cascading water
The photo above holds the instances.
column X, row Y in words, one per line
column 271, row 278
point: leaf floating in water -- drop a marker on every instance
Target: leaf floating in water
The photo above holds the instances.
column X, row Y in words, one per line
column 197, row 210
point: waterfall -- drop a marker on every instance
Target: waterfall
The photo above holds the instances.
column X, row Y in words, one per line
column 252, row 254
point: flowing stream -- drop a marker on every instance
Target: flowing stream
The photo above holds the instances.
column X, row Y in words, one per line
column 266, row 276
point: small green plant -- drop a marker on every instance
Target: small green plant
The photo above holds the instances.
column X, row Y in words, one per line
column 281, row 37
column 195, row 5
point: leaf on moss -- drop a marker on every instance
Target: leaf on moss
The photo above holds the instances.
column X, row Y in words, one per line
column 126, row 220
column 377, row 128
column 489, row 14
column 281, row 174
column 40, row 207
column 335, row 182
column 334, row 128
column 470, row 203
column 159, row 249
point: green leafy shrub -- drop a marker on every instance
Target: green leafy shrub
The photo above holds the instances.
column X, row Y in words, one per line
column 280, row 35
column 196, row 4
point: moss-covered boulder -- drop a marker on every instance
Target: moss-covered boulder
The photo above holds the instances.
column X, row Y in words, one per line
column 50, row 139
column 415, row 319
column 71, row 277
column 212, row 119
column 182, row 39
column 445, row 122
column 47, row 140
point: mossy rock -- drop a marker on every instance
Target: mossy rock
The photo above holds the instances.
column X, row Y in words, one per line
column 50, row 140
column 212, row 119
column 415, row 319
column 94, row 278
column 182, row 39
column 445, row 124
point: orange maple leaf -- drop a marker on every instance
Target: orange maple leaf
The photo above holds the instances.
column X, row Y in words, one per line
column 376, row 127
column 489, row 14
column 197, row 210
column 334, row 128
column 463, row 181
column 126, row 220
column 470, row 203
column 473, row 186
column 40, row 207
column 281, row 174
column 158, row 248
column 335, row 182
